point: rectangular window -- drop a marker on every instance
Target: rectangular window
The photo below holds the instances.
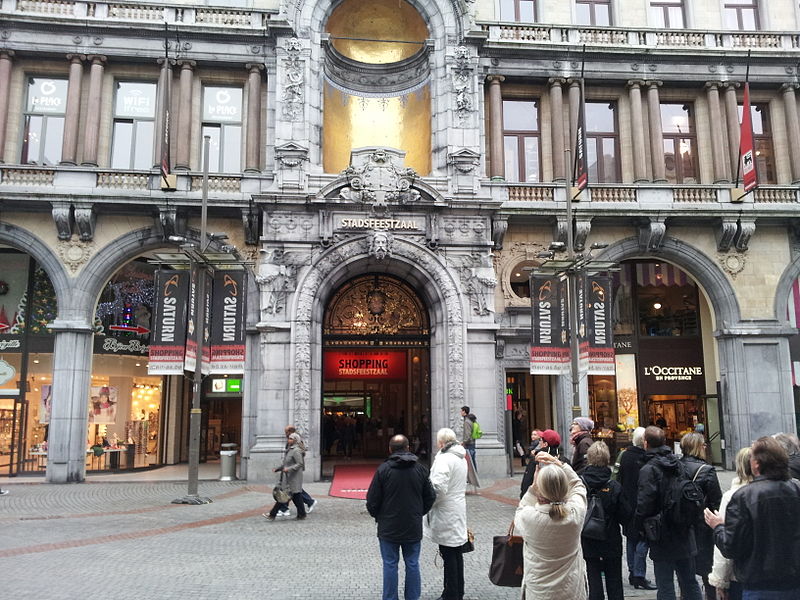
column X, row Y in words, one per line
column 222, row 121
column 134, row 123
column 593, row 12
column 740, row 15
column 518, row 11
column 602, row 142
column 667, row 14
column 762, row 142
column 43, row 133
column 680, row 142
column 521, row 140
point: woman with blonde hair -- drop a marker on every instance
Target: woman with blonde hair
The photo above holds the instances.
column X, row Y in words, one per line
column 721, row 576
column 550, row 518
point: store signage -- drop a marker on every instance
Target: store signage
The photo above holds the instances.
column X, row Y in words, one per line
column 624, row 344
column 364, row 365
column 549, row 346
column 229, row 386
column 47, row 96
column 598, row 315
column 168, row 339
column 227, row 322
column 373, row 223
column 10, row 343
column 193, row 328
column 110, row 345
column 222, row 104
column 671, row 366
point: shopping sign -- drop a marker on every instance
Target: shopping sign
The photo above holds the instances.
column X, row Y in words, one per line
column 168, row 338
column 227, row 322
column 550, row 344
column 598, row 317
column 364, row 364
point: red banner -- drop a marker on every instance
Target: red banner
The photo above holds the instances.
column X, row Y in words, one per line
column 359, row 364
column 747, row 156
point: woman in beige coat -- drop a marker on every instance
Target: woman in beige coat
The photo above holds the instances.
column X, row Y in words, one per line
column 292, row 469
column 549, row 519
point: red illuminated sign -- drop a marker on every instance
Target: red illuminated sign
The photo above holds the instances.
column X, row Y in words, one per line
column 358, row 364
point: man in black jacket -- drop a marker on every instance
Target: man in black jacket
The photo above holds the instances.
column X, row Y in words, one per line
column 673, row 554
column 761, row 527
column 398, row 497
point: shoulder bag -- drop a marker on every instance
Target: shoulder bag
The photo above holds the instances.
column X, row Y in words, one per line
column 280, row 493
column 595, row 523
column 506, row 568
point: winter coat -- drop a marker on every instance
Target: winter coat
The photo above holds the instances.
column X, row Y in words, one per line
column 582, row 443
column 399, row 496
column 676, row 543
column 794, row 465
column 704, row 537
column 446, row 523
column 294, row 463
column 761, row 534
column 598, row 483
column 554, row 568
column 722, row 570
column 466, row 434
column 630, row 463
column 530, row 469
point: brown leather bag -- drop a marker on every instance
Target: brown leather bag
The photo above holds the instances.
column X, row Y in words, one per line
column 506, row 568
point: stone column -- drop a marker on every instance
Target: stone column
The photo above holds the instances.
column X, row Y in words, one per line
column 637, row 131
column 792, row 128
column 656, row 132
column 164, row 81
column 92, row 129
column 732, row 123
column 557, row 128
column 496, row 152
column 574, row 100
column 253, row 143
column 6, row 59
column 184, row 137
column 69, row 147
column 66, row 446
column 717, row 147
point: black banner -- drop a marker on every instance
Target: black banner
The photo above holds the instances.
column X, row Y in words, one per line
column 227, row 322
column 601, row 343
column 167, row 340
column 549, row 346
column 193, row 328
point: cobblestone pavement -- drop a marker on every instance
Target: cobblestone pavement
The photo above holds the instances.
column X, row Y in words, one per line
column 125, row 539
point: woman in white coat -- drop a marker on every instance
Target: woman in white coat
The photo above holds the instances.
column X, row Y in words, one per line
column 550, row 518
column 446, row 523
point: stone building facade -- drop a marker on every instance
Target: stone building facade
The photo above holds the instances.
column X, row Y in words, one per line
column 420, row 149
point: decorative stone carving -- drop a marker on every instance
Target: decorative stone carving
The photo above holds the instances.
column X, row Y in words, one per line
column 499, row 228
column 583, row 225
column 652, row 232
column 432, row 230
column 376, row 179
column 745, row 231
column 276, row 277
column 464, row 173
column 250, row 225
column 62, row 216
column 380, row 244
column 499, row 349
column 506, row 261
column 732, row 264
column 290, row 160
column 85, row 219
column 168, row 221
column 462, row 75
column 293, row 96
column 560, row 233
column 477, row 281
column 75, row 252
column 725, row 234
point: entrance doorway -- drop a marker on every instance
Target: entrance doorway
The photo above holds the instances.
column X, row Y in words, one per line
column 376, row 371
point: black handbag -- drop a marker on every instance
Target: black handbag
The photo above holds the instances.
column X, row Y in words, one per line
column 506, row 568
column 280, row 493
column 469, row 545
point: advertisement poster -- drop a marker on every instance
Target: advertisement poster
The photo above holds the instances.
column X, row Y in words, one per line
column 46, row 404
column 549, row 347
column 168, row 338
column 227, row 322
column 598, row 314
column 627, row 393
column 103, row 405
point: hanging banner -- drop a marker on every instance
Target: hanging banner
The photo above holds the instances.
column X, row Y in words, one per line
column 193, row 329
column 227, row 322
column 581, row 174
column 168, row 338
column 581, row 318
column 549, row 346
column 746, row 149
column 601, row 343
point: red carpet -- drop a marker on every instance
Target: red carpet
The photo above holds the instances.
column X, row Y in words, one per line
column 352, row 481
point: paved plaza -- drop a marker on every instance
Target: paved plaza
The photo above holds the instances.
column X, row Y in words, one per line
column 110, row 538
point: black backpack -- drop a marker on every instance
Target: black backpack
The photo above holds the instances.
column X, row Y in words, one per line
column 684, row 500
column 595, row 524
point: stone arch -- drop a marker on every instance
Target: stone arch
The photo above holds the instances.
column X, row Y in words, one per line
column 27, row 242
column 707, row 273
column 784, row 289
column 408, row 259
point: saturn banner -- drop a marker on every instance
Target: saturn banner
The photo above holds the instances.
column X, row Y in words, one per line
column 168, row 339
column 598, row 316
column 550, row 345
column 227, row 322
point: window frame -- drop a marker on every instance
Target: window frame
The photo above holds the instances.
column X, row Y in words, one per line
column 598, row 137
column 134, row 121
column 518, row 12
column 521, row 135
column 665, row 5
column 46, row 118
column 676, row 138
column 592, row 4
column 739, row 6
column 223, row 126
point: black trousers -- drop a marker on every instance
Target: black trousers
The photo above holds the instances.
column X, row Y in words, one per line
column 612, row 567
column 453, row 561
column 298, row 504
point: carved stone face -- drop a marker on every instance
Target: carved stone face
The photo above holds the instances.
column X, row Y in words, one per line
column 380, row 245
column 376, row 302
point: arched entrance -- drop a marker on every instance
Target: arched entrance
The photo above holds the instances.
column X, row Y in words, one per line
column 375, row 369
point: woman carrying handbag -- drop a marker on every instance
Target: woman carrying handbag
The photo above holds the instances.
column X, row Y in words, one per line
column 292, row 471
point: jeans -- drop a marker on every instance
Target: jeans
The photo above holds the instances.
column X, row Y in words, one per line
column 612, row 567
column 453, row 560
column 770, row 594
column 390, row 553
column 665, row 571
column 471, row 450
column 636, row 552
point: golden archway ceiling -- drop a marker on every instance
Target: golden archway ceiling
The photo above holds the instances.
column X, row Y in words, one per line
column 375, row 305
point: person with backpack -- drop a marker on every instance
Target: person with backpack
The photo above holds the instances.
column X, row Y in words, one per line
column 693, row 446
column 602, row 550
column 466, row 437
column 667, row 520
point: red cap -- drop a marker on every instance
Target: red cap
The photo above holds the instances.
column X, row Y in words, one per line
column 551, row 437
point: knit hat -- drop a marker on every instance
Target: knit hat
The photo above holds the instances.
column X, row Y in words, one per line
column 551, row 437
column 584, row 423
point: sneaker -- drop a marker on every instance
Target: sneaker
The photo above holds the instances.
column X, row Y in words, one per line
column 3, row 492
column 284, row 514
column 311, row 507
column 268, row 516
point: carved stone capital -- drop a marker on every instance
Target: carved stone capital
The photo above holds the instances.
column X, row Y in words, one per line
column 635, row 83
column 556, row 81
column 254, row 67
column 725, row 234
column 745, row 231
column 731, row 85
column 652, row 232
column 652, row 83
column 62, row 216
column 583, row 226
column 496, row 79
column 250, row 225
column 85, row 219
column 76, row 58
column 788, row 88
column 499, row 228
column 170, row 222
column 7, row 54
column 185, row 63
column 97, row 58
